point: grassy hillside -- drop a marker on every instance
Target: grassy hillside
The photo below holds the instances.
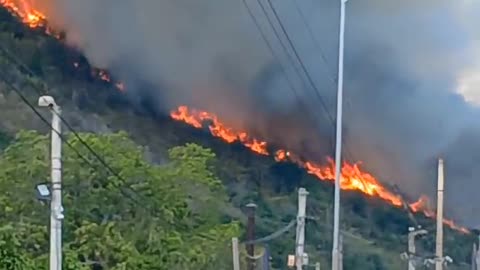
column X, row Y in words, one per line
column 375, row 233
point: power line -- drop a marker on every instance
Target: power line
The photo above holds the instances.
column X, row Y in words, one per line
column 330, row 73
column 309, row 78
column 290, row 58
column 25, row 100
column 315, row 41
column 43, row 92
column 274, row 54
column 83, row 158
column 316, row 91
column 270, row 47
column 303, row 105
column 277, row 35
column 273, row 235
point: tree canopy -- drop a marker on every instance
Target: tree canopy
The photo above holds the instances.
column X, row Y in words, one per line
column 166, row 216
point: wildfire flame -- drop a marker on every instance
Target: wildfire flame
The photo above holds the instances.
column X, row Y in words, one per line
column 25, row 11
column 105, row 76
column 218, row 129
column 353, row 178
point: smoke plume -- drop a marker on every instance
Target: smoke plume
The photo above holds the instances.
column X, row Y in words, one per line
column 411, row 72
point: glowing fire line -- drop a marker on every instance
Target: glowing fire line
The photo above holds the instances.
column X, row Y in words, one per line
column 24, row 10
column 33, row 18
column 353, row 178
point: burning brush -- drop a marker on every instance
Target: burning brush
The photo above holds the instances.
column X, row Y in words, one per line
column 353, row 177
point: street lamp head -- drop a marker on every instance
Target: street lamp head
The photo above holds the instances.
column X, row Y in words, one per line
column 46, row 101
column 251, row 206
column 43, row 192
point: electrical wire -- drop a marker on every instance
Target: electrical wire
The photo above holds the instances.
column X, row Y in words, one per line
column 273, row 235
column 83, row 158
column 312, row 83
column 303, row 106
column 332, row 78
column 302, row 65
column 331, row 74
column 270, row 47
column 284, row 47
column 293, row 63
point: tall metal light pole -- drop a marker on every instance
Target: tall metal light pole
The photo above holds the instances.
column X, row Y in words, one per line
column 56, row 209
column 338, row 141
column 439, row 236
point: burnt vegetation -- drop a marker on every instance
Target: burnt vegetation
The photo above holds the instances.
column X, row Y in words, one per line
column 375, row 232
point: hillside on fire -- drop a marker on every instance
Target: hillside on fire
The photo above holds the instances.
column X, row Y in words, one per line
column 150, row 188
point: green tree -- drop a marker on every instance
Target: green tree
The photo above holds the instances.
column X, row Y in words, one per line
column 12, row 252
column 151, row 217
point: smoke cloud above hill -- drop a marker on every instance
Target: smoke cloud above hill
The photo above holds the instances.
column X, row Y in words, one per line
column 409, row 67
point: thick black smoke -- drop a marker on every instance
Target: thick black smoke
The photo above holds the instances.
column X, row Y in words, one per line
column 406, row 62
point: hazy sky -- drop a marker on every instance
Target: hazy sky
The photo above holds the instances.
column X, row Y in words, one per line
column 469, row 78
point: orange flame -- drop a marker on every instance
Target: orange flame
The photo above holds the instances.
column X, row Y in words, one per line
column 105, row 76
column 33, row 18
column 425, row 205
column 218, row 129
column 353, row 178
column 25, row 11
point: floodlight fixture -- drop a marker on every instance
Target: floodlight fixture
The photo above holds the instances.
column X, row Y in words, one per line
column 46, row 101
column 43, row 192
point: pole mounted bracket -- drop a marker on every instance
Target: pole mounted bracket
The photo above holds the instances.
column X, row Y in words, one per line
column 59, row 213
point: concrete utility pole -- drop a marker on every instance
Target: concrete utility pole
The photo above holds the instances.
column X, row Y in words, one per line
column 266, row 258
column 473, row 262
column 251, row 235
column 338, row 140
column 340, row 252
column 476, row 256
column 300, row 241
column 56, row 209
column 411, row 246
column 235, row 254
column 439, row 240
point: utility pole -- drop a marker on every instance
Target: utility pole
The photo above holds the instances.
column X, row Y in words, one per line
column 340, row 252
column 439, row 236
column 411, row 248
column 300, row 241
column 266, row 258
column 410, row 256
column 476, row 257
column 473, row 262
column 235, row 254
column 338, row 140
column 56, row 209
column 251, row 207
